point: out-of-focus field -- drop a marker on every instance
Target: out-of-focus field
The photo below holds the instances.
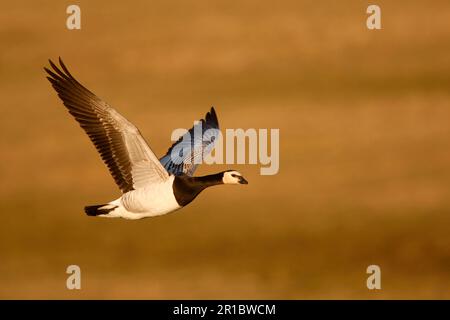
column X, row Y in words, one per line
column 365, row 149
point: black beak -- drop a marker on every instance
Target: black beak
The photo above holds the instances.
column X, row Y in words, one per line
column 242, row 180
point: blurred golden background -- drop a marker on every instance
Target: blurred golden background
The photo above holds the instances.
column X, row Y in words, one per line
column 364, row 159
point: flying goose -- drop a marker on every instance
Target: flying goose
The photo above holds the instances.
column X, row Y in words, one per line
column 150, row 187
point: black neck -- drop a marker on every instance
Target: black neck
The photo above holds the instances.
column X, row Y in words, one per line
column 209, row 180
column 186, row 188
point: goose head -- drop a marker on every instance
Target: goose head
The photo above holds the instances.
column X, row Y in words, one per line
column 233, row 177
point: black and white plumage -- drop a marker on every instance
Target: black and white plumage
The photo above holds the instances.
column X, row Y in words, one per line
column 150, row 187
column 193, row 146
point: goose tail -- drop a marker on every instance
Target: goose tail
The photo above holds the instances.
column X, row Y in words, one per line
column 99, row 209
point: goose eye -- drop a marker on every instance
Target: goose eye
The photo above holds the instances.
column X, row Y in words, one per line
column 233, row 175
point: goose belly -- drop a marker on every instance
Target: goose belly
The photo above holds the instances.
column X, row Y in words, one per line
column 152, row 200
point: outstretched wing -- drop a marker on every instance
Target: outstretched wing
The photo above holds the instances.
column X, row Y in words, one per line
column 189, row 151
column 123, row 149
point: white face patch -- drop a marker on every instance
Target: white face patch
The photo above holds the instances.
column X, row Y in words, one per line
column 231, row 177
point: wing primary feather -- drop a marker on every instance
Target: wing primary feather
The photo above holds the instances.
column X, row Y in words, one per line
column 192, row 147
column 118, row 142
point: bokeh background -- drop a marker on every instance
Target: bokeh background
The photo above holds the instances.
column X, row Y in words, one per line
column 365, row 149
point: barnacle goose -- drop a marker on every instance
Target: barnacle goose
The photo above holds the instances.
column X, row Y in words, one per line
column 150, row 187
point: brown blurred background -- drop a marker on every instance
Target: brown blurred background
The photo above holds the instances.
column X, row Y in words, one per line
column 365, row 149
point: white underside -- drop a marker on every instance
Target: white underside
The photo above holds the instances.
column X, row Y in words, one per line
column 148, row 201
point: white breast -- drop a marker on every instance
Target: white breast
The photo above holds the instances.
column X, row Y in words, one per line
column 149, row 201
